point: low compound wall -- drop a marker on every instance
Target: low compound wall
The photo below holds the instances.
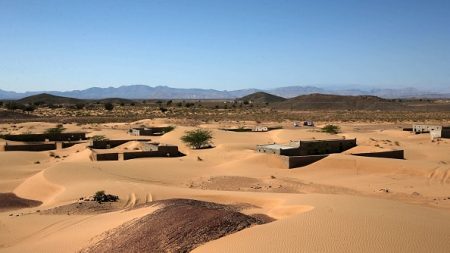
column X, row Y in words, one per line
column 323, row 147
column 31, row 147
column 394, row 154
column 142, row 154
column 131, row 155
column 445, row 133
column 106, row 144
column 104, row 157
column 70, row 144
column 44, row 137
column 300, row 161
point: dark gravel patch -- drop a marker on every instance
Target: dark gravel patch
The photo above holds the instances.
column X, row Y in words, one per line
column 180, row 225
column 9, row 201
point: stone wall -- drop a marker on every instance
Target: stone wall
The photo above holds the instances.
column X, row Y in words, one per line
column 394, row 154
column 425, row 128
column 31, row 147
column 149, row 131
column 104, row 156
column 322, row 147
column 70, row 144
column 300, row 161
column 106, row 144
column 45, row 137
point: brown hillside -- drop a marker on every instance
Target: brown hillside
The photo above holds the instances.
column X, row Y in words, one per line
column 336, row 102
column 262, row 98
column 45, row 98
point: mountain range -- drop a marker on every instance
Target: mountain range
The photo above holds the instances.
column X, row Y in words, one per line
column 165, row 92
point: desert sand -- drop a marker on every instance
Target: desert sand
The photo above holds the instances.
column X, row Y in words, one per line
column 342, row 203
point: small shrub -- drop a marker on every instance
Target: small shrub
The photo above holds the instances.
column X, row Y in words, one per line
column 55, row 130
column 29, row 108
column 99, row 138
column 198, row 138
column 101, row 196
column 169, row 129
column 331, row 129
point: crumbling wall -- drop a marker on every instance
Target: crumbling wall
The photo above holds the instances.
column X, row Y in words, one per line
column 421, row 128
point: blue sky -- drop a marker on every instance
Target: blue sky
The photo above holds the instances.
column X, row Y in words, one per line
column 65, row 45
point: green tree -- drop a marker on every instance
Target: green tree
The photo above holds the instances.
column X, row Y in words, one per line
column 198, row 138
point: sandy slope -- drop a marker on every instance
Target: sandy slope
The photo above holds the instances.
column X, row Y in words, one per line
column 333, row 205
column 344, row 224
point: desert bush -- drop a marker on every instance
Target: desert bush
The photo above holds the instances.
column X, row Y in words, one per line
column 169, row 129
column 55, row 130
column 14, row 106
column 109, row 106
column 79, row 106
column 101, row 196
column 29, row 108
column 331, row 129
column 99, row 138
column 198, row 138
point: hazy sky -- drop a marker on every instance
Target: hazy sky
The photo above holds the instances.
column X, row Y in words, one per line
column 65, row 45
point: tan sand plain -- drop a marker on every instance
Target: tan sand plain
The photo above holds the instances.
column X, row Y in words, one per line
column 338, row 204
